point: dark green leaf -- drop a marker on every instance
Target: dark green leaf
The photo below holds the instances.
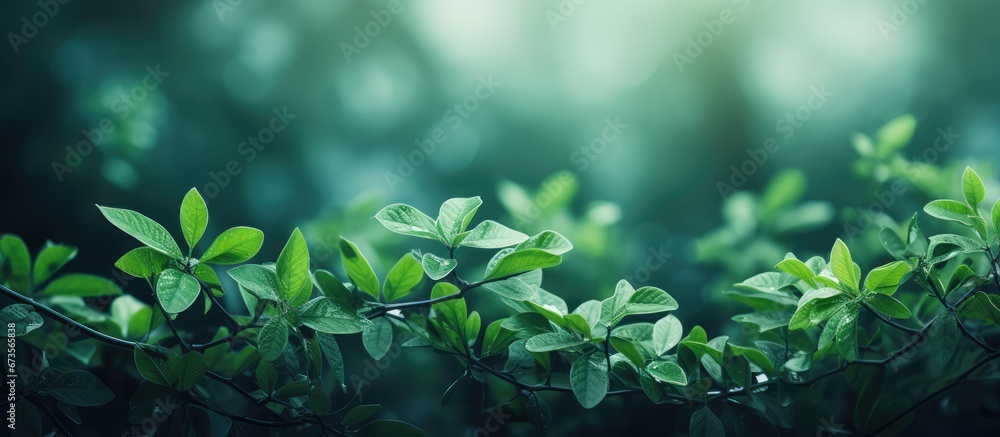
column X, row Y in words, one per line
column 23, row 316
column 77, row 387
column 326, row 315
column 588, row 377
column 377, row 338
column 81, row 285
column 272, row 338
column 389, row 428
column 260, row 281
column 361, row 413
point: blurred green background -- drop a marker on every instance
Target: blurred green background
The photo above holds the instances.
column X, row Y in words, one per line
column 613, row 123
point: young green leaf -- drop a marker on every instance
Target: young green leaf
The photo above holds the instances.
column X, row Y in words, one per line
column 588, row 376
column 521, row 261
column 16, row 263
column 894, row 135
column 995, row 214
column 437, row 267
column 144, row 229
column 407, row 220
column 798, row 269
column 194, row 218
column 668, row 372
column 292, row 268
column 981, row 306
column 327, row 315
column 972, row 188
column 950, row 210
column 260, row 281
column 512, row 288
column 885, row 279
column 234, row 246
column 667, row 333
column 76, row 387
column 402, row 277
column 151, row 368
column 143, row 262
column 50, row 260
column 272, row 338
column 358, row 268
column 377, row 338
column 817, row 306
column 82, row 285
column 649, row 300
column 176, row 290
column 454, row 217
column 549, row 241
column 889, row 306
column 492, row 235
column 843, row 267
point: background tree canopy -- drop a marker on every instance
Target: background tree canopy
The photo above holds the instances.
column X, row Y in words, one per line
column 678, row 145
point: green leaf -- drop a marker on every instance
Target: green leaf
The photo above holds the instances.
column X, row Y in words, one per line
column 331, row 351
column 667, row 333
column 407, row 220
column 132, row 315
column 950, row 210
column 331, row 287
column 538, row 412
column 995, row 214
column 798, row 269
column 943, row 336
column 185, row 371
column 885, row 279
column 143, row 262
column 402, row 277
column 293, row 389
column 295, row 284
column 817, row 306
column 549, row 241
column 194, row 218
column 148, row 366
column 892, row 243
column 588, row 377
column 847, row 336
column 377, row 338
column 389, row 428
column 23, row 316
column 76, row 387
column 668, row 372
column 234, row 246
column 454, row 217
column 512, row 288
column 260, row 281
column 272, row 338
column 144, row 229
column 16, row 263
column 552, row 341
column 361, row 413
column 889, row 306
column 266, row 376
column 82, row 285
column 437, row 267
column 763, row 321
column 981, row 306
column 492, row 235
column 842, row 266
column 704, row 423
column 327, row 315
column 754, row 355
column 627, row 348
column 972, row 188
column 894, row 135
column 452, row 313
column 521, row 261
column 613, row 308
column 176, row 290
column 52, row 258
column 649, row 300
column 358, row 268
